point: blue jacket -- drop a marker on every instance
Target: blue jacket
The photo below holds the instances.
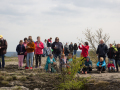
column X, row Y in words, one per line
column 103, row 63
column 88, row 63
column 20, row 48
column 48, row 62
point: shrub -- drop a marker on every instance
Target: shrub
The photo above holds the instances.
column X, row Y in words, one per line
column 68, row 75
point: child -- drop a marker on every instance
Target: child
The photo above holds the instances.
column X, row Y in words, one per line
column 51, row 65
column 101, row 65
column 20, row 50
column 87, row 66
column 111, row 66
column 69, row 61
column 63, row 62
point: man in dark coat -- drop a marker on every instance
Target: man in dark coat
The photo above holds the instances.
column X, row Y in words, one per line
column 3, row 48
column 102, row 50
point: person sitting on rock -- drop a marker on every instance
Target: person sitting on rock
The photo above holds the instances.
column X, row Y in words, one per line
column 51, row 65
column 87, row 66
column 111, row 66
column 101, row 65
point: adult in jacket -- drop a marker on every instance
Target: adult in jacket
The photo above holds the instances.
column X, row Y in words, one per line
column 66, row 49
column 75, row 48
column 117, row 57
column 71, row 48
column 111, row 54
column 102, row 50
column 84, row 49
column 38, row 51
column 57, row 48
column 3, row 48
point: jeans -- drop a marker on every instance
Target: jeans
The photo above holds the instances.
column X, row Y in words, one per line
column 3, row 61
column 111, row 68
column 75, row 51
column 30, row 56
column 113, row 60
column 87, row 69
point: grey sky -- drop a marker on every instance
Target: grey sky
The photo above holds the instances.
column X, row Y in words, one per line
column 63, row 18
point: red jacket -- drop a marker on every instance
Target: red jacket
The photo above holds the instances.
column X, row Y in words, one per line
column 109, row 65
column 39, row 50
column 84, row 50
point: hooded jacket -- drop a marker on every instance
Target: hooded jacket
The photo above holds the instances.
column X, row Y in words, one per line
column 103, row 63
column 102, row 50
column 39, row 50
column 84, row 49
column 87, row 63
column 48, row 62
column 111, row 64
column 59, row 48
column 32, row 47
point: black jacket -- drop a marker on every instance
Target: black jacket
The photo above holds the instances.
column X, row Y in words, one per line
column 75, row 47
column 102, row 50
column 20, row 48
column 71, row 48
column 118, row 54
column 111, row 53
column 59, row 47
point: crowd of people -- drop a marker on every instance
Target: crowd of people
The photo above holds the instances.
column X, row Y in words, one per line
column 28, row 48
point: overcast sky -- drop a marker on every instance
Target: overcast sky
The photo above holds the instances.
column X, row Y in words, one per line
column 63, row 18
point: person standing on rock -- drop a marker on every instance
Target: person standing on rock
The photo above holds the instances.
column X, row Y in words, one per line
column 20, row 50
column 57, row 49
column 38, row 51
column 75, row 48
column 3, row 48
column 84, row 49
column 30, row 53
column 71, row 48
column 66, row 49
column 49, row 45
column 102, row 50
column 45, row 48
column 25, row 44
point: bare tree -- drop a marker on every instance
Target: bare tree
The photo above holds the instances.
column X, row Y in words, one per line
column 94, row 40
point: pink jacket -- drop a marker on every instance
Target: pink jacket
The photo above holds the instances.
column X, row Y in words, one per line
column 39, row 50
column 25, row 44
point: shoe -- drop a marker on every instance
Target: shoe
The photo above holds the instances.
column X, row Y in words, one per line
column 86, row 72
column 36, row 67
column 26, row 68
column 100, row 72
column 82, row 72
column 31, row 68
column 39, row 66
